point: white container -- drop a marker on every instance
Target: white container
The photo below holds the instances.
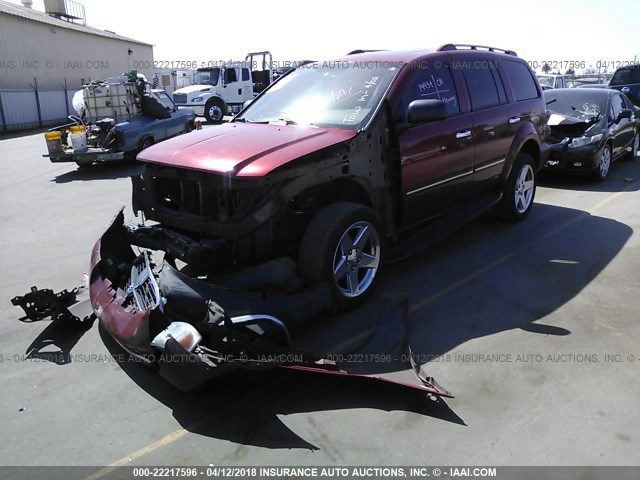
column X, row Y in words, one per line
column 78, row 142
column 110, row 100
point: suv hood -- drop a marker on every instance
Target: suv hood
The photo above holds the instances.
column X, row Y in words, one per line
column 243, row 149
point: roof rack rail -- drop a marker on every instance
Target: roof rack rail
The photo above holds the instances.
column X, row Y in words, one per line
column 354, row 52
column 462, row 46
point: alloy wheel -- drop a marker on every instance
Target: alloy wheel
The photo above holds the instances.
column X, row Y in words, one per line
column 525, row 185
column 356, row 259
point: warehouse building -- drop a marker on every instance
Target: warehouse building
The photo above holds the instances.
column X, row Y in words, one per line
column 46, row 56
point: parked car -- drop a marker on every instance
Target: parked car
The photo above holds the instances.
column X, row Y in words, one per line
column 588, row 81
column 106, row 140
column 548, row 81
column 335, row 167
column 590, row 128
column 627, row 80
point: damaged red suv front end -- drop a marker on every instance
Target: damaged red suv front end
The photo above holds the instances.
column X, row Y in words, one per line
column 195, row 330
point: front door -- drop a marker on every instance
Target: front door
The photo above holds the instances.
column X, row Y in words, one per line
column 436, row 157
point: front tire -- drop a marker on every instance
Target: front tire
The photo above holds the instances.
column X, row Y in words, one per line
column 604, row 165
column 519, row 190
column 214, row 111
column 344, row 246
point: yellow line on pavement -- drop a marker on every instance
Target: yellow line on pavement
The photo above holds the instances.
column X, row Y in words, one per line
column 124, row 461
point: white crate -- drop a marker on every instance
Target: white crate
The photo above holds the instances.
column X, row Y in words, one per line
column 110, row 100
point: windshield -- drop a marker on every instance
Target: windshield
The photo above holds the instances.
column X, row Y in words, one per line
column 207, row 77
column 545, row 80
column 329, row 94
column 580, row 104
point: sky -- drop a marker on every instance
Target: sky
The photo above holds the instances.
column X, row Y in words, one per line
column 595, row 32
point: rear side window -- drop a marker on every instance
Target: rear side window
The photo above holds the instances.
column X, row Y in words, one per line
column 521, row 80
column 432, row 83
column 626, row 75
column 481, row 84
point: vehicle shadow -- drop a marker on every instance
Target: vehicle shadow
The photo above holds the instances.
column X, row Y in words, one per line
column 244, row 408
column 624, row 176
column 105, row 171
column 486, row 279
column 492, row 277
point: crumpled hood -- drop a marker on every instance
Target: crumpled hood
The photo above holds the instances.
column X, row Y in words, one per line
column 243, row 149
column 564, row 126
column 193, row 88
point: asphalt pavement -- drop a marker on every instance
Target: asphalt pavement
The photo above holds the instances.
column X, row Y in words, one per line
column 533, row 327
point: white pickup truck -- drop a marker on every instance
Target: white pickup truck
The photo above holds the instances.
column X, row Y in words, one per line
column 222, row 90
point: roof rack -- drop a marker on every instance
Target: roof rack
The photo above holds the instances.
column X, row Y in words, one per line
column 354, row 52
column 461, row 46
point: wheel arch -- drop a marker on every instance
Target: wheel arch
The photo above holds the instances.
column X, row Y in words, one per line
column 341, row 190
column 146, row 136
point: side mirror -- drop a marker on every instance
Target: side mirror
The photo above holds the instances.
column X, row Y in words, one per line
column 423, row 111
column 625, row 113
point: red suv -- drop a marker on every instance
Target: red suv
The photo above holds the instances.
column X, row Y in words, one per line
column 338, row 162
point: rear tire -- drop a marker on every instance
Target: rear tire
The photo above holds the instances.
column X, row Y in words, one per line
column 344, row 246
column 519, row 190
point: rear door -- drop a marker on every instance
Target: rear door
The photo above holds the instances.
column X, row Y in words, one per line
column 494, row 118
column 436, row 157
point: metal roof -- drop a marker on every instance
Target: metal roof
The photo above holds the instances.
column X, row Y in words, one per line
column 37, row 16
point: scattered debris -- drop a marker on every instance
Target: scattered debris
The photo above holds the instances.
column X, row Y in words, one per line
column 39, row 304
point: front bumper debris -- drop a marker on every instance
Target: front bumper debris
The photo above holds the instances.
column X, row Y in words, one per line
column 236, row 329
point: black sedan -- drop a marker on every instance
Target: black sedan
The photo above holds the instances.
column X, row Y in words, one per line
column 590, row 128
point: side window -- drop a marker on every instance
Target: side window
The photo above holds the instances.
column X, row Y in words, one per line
column 621, row 77
column 245, row 74
column 432, row 83
column 165, row 100
column 230, row 75
column 618, row 104
column 611, row 117
column 627, row 103
column 481, row 85
column 502, row 95
column 635, row 73
column 521, row 80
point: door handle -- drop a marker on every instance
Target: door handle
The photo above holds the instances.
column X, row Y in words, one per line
column 239, row 91
column 463, row 134
column 514, row 120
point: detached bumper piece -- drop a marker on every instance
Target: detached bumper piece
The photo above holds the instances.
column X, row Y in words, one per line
column 40, row 304
column 196, row 330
